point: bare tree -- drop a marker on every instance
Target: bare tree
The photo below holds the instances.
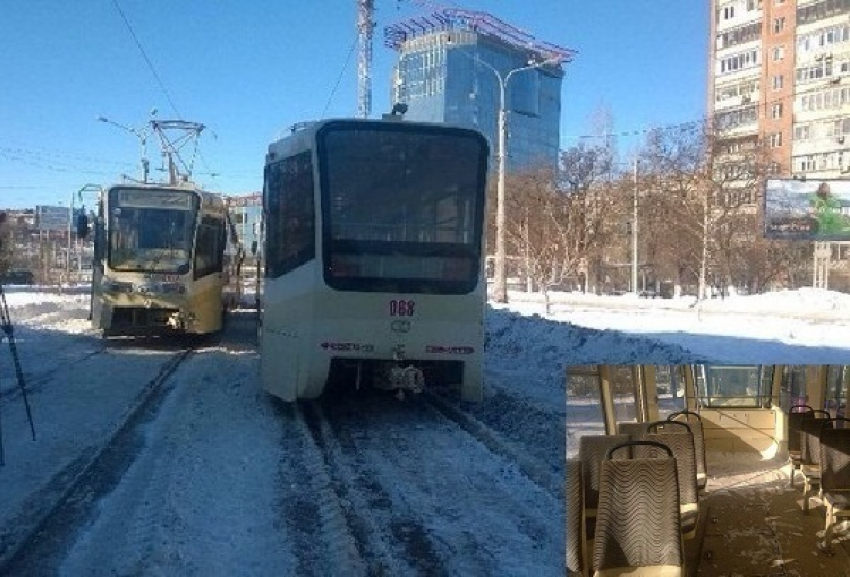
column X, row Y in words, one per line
column 705, row 196
column 555, row 224
column 676, row 201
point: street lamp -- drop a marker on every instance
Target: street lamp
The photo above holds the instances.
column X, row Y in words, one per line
column 500, row 289
column 142, row 135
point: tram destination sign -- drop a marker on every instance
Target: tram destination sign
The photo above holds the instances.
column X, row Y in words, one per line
column 155, row 198
column 816, row 210
column 52, row 218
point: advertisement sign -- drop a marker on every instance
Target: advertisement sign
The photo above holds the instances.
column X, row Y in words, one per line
column 816, row 210
column 52, row 218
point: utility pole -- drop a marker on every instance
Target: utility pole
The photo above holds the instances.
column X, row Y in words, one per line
column 635, row 233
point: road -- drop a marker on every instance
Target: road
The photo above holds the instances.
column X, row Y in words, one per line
column 163, row 458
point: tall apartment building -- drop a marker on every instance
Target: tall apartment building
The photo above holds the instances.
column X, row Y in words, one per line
column 779, row 73
column 448, row 70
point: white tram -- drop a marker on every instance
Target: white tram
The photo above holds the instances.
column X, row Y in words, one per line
column 374, row 258
column 159, row 260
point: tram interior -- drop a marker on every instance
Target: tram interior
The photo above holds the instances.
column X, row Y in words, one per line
column 762, row 470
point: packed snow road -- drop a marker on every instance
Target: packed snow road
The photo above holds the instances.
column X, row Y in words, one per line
column 157, row 459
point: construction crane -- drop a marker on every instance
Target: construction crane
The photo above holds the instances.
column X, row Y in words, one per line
column 365, row 28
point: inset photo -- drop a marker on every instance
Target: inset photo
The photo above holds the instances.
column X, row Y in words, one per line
column 708, row 469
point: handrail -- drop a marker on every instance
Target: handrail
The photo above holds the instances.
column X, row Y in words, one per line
column 656, row 424
column 685, row 412
column 609, row 454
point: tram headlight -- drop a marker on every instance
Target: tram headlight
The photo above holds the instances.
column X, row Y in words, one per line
column 113, row 286
column 172, row 288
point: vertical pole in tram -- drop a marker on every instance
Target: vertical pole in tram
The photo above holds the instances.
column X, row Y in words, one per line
column 606, row 395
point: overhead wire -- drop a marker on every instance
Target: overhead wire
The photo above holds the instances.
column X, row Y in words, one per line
column 147, row 59
column 802, row 91
column 17, row 151
column 339, row 78
column 156, row 75
column 45, row 162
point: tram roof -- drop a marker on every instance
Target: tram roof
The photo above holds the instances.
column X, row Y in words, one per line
column 302, row 134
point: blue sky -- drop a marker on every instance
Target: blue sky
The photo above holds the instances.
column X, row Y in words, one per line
column 249, row 70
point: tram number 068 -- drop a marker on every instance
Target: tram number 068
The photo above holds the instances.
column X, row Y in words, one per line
column 402, row 308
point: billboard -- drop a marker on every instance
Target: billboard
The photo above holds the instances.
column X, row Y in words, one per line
column 55, row 218
column 816, row 210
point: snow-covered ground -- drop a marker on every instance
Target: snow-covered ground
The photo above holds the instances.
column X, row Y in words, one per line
column 213, row 477
column 807, row 326
column 218, row 483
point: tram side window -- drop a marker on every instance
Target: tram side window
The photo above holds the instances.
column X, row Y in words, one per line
column 793, row 387
column 734, row 386
column 836, row 392
column 584, row 410
column 290, row 231
column 670, row 389
column 209, row 253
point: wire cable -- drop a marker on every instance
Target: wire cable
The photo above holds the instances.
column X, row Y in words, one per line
column 147, row 59
column 339, row 79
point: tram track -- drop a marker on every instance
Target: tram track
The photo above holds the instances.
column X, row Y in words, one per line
column 348, row 535
column 58, row 508
column 382, row 495
column 532, row 467
column 363, row 533
column 337, row 526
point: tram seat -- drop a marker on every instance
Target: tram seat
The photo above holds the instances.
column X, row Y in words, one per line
column 694, row 421
column 633, row 430
column 678, row 437
column 638, row 528
column 591, row 452
column 796, row 414
column 576, row 545
column 835, row 477
column 810, row 430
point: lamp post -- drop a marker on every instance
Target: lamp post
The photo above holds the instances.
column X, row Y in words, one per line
column 500, row 289
column 142, row 135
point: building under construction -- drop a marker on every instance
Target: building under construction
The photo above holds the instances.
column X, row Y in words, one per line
column 457, row 66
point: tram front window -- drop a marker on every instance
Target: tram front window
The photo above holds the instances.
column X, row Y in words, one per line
column 150, row 238
column 733, row 386
column 403, row 209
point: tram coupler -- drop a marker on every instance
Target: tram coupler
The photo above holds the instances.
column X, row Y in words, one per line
column 176, row 321
column 403, row 379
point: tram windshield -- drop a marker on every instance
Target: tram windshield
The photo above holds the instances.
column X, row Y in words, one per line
column 151, row 230
column 403, row 208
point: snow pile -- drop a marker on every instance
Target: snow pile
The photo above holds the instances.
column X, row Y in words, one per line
column 808, row 303
column 543, row 345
